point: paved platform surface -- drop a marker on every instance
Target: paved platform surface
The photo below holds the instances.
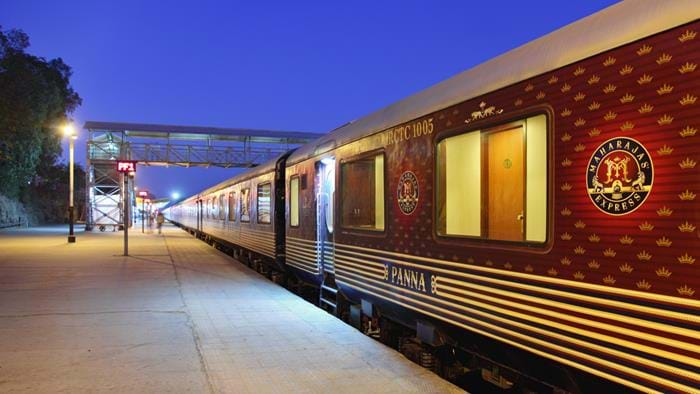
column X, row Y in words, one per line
column 175, row 316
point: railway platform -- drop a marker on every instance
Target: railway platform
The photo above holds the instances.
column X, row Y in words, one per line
column 175, row 316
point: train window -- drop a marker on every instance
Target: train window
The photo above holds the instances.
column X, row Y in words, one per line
column 244, row 205
column 492, row 184
column 294, row 201
column 222, row 207
column 362, row 193
column 264, row 203
column 232, row 206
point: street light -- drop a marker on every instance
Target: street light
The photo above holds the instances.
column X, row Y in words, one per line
column 69, row 132
column 175, row 195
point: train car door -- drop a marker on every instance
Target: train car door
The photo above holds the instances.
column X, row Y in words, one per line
column 199, row 215
column 325, row 193
column 505, row 184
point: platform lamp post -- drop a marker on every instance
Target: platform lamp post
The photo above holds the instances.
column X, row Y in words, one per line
column 128, row 169
column 69, row 131
column 143, row 195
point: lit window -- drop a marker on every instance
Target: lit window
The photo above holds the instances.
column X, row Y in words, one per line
column 232, row 206
column 362, row 188
column 263, row 205
column 222, row 211
column 492, row 183
column 294, row 201
column 244, row 204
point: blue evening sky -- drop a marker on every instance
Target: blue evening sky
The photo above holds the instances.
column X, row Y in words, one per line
column 287, row 65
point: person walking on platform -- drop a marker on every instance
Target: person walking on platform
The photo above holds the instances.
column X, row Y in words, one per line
column 160, row 219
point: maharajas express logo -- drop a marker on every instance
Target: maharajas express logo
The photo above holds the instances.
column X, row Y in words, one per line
column 407, row 192
column 619, row 176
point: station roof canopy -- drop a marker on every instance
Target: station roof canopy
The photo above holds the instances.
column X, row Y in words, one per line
column 158, row 131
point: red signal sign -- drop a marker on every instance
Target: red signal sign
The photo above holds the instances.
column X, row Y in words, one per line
column 126, row 166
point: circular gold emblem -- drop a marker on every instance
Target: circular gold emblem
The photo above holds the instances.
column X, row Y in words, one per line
column 407, row 192
column 619, row 176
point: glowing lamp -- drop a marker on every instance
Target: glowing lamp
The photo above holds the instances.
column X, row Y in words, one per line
column 69, row 131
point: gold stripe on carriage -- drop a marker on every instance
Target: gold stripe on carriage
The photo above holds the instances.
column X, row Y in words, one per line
column 665, row 313
column 364, row 286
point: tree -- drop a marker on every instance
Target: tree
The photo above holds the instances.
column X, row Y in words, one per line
column 49, row 191
column 35, row 99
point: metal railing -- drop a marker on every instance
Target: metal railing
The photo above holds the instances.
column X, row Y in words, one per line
column 20, row 223
column 202, row 156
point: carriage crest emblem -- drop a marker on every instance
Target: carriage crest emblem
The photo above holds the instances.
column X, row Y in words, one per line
column 619, row 176
column 407, row 192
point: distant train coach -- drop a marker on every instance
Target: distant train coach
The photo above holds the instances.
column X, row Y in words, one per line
column 538, row 215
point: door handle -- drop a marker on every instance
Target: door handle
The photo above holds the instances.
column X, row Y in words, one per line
column 521, row 219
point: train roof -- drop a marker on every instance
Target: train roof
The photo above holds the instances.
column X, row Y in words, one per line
column 610, row 28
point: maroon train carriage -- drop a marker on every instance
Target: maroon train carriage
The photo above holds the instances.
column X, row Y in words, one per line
column 542, row 204
column 239, row 213
column 537, row 213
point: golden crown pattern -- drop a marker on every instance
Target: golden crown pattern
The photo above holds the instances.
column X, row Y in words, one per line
column 609, row 88
column 688, row 131
column 687, row 36
column 644, row 50
column 687, row 195
column 626, row 240
column 645, row 108
column 664, row 241
column 610, row 115
column 686, row 227
column 627, row 98
column 645, row 79
column 688, row 99
column 665, row 120
column 664, row 150
column 663, row 272
column 634, row 91
column 687, row 68
column 643, row 284
column 646, row 226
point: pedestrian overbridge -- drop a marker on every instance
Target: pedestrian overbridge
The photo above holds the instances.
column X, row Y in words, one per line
column 168, row 145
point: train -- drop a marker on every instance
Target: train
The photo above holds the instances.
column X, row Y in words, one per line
column 532, row 223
